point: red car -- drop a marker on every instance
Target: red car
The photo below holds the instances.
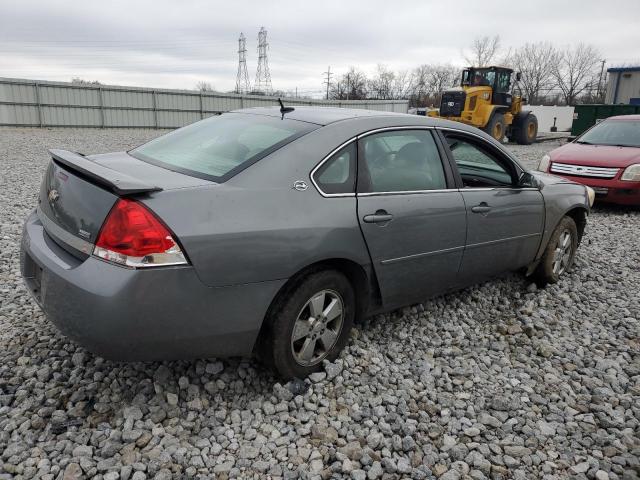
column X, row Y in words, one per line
column 606, row 158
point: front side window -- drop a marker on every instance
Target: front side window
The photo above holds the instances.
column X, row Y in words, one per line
column 401, row 161
column 477, row 167
column 220, row 146
column 338, row 173
column 504, row 80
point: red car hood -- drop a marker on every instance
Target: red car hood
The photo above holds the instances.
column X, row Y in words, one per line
column 596, row 155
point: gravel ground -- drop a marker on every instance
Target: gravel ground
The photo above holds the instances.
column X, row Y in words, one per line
column 497, row 381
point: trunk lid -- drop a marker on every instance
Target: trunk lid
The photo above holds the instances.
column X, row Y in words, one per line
column 78, row 192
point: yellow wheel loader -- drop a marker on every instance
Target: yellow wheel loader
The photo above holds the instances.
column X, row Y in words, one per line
column 485, row 100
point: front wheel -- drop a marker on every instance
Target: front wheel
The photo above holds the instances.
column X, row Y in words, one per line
column 525, row 130
column 558, row 257
column 496, row 127
column 311, row 325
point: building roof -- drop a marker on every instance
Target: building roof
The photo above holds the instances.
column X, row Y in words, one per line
column 624, row 69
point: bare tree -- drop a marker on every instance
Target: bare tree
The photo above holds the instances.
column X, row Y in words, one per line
column 403, row 85
column 535, row 62
column 204, row 86
column 483, row 51
column 381, row 85
column 351, row 86
column 575, row 70
column 442, row 77
column 81, row 81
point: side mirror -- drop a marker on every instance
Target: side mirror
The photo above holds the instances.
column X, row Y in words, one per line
column 527, row 181
column 518, row 76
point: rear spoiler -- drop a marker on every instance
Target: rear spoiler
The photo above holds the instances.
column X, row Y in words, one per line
column 118, row 182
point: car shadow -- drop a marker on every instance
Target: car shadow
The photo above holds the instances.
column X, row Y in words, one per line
column 614, row 209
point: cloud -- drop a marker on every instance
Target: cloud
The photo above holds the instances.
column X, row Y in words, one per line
column 175, row 44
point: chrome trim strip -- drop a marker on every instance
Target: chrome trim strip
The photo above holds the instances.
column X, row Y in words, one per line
column 420, row 255
column 584, row 170
column 61, row 234
column 407, row 192
column 488, row 189
column 390, row 129
column 502, row 240
column 322, row 162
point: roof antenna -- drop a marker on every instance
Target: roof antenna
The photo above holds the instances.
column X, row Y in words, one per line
column 284, row 109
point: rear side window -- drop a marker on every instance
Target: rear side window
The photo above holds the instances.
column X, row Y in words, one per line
column 219, row 147
column 402, row 161
column 338, row 173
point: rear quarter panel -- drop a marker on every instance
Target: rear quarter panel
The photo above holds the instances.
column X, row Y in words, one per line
column 255, row 227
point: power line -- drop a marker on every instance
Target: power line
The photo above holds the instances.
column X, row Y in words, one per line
column 242, row 78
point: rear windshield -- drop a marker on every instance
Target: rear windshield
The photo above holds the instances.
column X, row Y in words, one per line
column 219, row 147
column 623, row 133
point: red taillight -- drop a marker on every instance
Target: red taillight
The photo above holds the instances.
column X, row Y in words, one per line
column 131, row 235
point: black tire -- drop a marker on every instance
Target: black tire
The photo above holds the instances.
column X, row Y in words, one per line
column 496, row 127
column 277, row 347
column 525, row 129
column 547, row 271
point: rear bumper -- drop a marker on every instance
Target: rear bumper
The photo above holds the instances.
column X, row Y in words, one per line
column 153, row 314
column 610, row 191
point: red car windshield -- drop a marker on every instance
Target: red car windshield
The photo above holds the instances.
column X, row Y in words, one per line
column 622, row 133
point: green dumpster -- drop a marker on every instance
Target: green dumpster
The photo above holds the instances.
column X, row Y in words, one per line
column 585, row 116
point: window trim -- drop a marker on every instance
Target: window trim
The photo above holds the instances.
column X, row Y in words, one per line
column 518, row 170
column 235, row 170
column 444, row 160
column 325, row 160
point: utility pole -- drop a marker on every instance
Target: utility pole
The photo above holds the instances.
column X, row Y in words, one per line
column 328, row 80
column 600, row 79
column 348, row 86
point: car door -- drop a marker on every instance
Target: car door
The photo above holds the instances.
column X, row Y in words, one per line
column 505, row 217
column 412, row 216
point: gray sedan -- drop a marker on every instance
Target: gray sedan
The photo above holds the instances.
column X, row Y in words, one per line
column 270, row 231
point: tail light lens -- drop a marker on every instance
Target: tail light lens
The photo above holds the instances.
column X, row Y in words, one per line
column 132, row 236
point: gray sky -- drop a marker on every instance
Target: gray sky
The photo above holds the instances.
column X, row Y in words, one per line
column 175, row 44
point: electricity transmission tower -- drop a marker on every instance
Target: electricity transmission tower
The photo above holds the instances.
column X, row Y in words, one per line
column 242, row 79
column 263, row 76
column 328, row 80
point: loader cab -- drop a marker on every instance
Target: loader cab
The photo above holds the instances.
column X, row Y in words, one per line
column 497, row 78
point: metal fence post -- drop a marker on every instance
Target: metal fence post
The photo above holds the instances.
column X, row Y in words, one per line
column 155, row 109
column 201, row 110
column 101, row 107
column 39, row 104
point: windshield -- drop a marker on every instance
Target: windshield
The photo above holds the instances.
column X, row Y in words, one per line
column 219, row 147
column 624, row 133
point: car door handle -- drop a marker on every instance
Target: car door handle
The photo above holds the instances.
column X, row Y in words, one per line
column 482, row 208
column 381, row 216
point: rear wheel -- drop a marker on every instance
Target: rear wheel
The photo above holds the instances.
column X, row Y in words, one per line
column 311, row 324
column 560, row 252
column 496, row 127
column 525, row 129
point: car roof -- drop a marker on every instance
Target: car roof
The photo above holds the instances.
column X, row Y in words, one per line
column 625, row 117
column 319, row 115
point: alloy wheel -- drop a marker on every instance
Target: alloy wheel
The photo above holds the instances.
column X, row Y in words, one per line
column 317, row 327
column 563, row 253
